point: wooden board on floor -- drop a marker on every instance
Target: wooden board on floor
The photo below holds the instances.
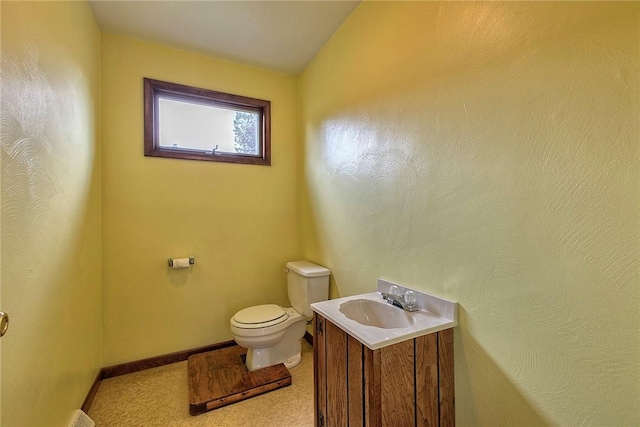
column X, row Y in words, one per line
column 218, row 378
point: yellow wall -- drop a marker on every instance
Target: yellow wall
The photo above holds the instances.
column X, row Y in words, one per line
column 50, row 210
column 488, row 153
column 239, row 221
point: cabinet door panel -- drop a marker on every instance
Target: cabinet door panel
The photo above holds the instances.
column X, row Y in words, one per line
column 372, row 388
column 398, row 384
column 427, row 381
column 355, row 382
column 336, row 361
column 446, row 378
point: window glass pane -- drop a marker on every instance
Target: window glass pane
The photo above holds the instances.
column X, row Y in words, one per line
column 245, row 132
column 193, row 126
column 190, row 123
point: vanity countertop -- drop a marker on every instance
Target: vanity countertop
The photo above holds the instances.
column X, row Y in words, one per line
column 434, row 314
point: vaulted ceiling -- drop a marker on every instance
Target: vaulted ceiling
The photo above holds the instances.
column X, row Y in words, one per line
column 281, row 36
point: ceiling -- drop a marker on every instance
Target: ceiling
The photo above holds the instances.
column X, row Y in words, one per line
column 280, row 36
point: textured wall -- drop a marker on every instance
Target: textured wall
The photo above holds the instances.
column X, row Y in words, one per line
column 239, row 221
column 488, row 153
column 50, row 210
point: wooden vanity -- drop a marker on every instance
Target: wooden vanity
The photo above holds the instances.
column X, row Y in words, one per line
column 410, row 383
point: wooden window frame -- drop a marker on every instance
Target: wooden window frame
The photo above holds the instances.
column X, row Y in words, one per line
column 153, row 89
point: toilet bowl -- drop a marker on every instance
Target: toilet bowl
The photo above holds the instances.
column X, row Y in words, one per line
column 272, row 334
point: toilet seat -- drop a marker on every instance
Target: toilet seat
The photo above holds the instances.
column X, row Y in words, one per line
column 259, row 316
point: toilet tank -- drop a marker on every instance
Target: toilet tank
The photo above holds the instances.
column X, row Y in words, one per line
column 307, row 283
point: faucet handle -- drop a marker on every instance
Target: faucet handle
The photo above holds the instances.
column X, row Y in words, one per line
column 410, row 298
column 393, row 290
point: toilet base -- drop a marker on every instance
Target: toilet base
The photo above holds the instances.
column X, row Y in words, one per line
column 294, row 361
column 287, row 351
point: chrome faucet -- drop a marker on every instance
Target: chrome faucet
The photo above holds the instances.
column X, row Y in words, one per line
column 407, row 302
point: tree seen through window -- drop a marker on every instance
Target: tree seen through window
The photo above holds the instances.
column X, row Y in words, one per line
column 245, row 128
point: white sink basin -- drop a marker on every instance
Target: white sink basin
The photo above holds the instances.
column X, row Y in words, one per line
column 375, row 313
column 375, row 323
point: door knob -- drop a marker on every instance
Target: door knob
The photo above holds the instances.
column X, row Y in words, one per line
column 4, row 323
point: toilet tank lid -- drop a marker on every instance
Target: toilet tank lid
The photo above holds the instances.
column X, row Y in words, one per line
column 308, row 269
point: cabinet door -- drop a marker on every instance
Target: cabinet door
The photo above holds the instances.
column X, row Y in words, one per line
column 355, row 381
column 337, row 382
column 339, row 391
column 397, row 371
column 427, row 406
column 446, row 382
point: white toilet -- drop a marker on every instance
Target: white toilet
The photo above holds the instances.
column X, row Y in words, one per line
column 272, row 334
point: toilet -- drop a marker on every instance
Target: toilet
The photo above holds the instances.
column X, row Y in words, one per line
column 272, row 334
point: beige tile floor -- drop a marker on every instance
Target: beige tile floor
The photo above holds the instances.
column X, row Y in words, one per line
column 160, row 397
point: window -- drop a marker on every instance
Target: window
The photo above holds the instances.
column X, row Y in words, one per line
column 185, row 122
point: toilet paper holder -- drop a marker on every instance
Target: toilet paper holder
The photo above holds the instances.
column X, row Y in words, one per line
column 192, row 261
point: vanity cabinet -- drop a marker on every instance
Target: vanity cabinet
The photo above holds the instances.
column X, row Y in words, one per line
column 406, row 384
